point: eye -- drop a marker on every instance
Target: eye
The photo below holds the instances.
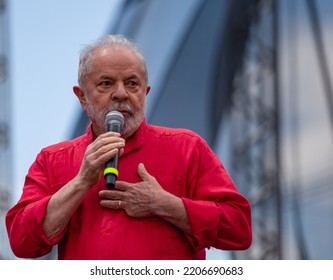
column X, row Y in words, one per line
column 132, row 83
column 105, row 83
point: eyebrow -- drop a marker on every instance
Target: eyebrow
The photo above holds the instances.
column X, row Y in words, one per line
column 126, row 77
column 132, row 76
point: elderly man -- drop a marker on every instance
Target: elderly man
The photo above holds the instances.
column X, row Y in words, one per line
column 173, row 197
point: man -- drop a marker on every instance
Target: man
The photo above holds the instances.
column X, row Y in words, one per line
column 172, row 200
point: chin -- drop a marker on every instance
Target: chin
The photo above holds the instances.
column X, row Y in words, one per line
column 131, row 126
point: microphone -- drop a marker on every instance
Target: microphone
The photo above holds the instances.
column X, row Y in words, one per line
column 114, row 121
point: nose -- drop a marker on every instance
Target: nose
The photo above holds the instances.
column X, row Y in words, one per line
column 120, row 93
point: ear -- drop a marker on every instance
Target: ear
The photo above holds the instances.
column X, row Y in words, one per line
column 147, row 90
column 80, row 95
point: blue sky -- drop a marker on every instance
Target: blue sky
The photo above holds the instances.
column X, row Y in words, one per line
column 45, row 40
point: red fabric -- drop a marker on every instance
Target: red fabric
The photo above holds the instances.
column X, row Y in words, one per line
column 182, row 163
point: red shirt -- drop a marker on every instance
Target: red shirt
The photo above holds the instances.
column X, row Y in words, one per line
column 182, row 163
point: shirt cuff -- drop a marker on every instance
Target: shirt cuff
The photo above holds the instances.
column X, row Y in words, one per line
column 35, row 213
column 204, row 219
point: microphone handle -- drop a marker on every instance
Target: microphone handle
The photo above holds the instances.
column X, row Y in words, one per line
column 111, row 172
column 111, row 167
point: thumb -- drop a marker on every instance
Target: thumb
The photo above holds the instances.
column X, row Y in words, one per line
column 143, row 173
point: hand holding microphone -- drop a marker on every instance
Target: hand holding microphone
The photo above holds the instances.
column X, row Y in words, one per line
column 114, row 121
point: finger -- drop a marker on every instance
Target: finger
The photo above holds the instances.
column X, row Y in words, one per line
column 143, row 173
column 112, row 204
column 122, row 186
column 106, row 152
column 97, row 159
column 110, row 195
column 108, row 134
column 110, row 150
column 106, row 139
column 104, row 144
column 107, row 144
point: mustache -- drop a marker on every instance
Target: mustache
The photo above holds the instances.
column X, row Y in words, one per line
column 120, row 106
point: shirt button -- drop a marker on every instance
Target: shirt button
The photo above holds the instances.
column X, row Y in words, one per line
column 167, row 133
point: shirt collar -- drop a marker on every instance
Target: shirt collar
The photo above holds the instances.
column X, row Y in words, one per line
column 89, row 134
column 136, row 140
column 132, row 143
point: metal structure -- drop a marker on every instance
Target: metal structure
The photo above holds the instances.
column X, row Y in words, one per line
column 257, row 119
column 5, row 141
column 255, row 136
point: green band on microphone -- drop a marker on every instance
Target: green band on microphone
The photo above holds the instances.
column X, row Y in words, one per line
column 111, row 170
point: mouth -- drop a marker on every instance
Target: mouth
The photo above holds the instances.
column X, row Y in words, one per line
column 125, row 113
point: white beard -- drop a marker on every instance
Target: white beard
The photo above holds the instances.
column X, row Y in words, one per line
column 132, row 120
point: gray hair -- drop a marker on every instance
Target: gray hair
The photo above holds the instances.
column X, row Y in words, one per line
column 87, row 54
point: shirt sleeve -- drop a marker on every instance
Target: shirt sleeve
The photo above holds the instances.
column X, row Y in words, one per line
column 219, row 215
column 24, row 221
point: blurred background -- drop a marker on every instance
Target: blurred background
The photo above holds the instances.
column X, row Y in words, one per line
column 252, row 77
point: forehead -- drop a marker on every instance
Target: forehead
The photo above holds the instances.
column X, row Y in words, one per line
column 116, row 58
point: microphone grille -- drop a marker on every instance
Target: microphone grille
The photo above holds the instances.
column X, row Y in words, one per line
column 114, row 116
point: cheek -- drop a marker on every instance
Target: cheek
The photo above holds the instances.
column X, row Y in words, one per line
column 98, row 99
column 138, row 101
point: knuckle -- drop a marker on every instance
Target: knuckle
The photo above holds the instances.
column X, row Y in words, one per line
column 103, row 141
